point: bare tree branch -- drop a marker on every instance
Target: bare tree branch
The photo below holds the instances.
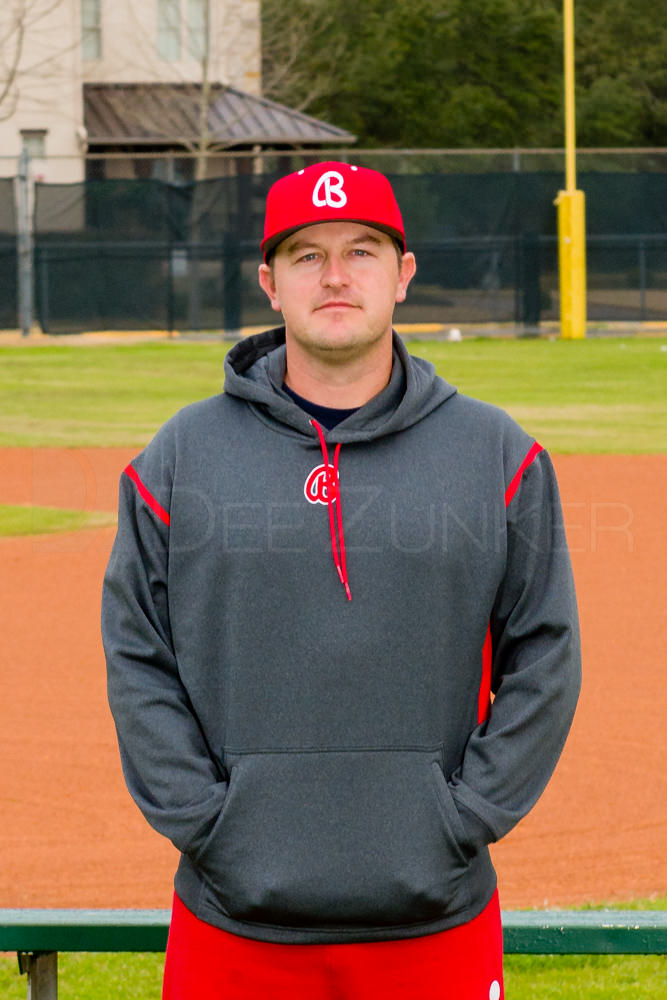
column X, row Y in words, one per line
column 25, row 21
column 290, row 32
column 10, row 80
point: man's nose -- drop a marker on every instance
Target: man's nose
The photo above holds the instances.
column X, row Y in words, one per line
column 334, row 272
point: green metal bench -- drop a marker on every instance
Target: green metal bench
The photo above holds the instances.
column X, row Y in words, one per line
column 38, row 935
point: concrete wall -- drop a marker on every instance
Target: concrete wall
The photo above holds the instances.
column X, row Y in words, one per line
column 130, row 51
column 47, row 89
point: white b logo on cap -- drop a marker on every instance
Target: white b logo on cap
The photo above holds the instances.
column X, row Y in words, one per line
column 334, row 196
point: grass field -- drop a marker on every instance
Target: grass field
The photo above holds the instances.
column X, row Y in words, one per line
column 593, row 396
column 527, row 977
column 24, row 520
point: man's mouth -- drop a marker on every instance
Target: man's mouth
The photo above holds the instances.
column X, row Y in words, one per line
column 335, row 304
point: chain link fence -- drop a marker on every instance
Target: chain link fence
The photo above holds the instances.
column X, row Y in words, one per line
column 144, row 254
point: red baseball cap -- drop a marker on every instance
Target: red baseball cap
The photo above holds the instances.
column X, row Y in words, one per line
column 330, row 192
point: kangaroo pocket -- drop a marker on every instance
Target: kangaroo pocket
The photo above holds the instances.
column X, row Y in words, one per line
column 336, row 838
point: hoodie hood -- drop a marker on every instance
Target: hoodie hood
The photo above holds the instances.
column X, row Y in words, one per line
column 255, row 372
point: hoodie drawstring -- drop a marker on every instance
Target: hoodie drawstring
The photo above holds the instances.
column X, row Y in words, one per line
column 333, row 493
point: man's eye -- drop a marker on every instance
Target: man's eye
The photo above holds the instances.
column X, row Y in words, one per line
column 307, row 257
column 360, row 253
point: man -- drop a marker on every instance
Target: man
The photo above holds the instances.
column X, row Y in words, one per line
column 321, row 580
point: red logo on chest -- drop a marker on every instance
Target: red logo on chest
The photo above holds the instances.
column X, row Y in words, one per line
column 316, row 487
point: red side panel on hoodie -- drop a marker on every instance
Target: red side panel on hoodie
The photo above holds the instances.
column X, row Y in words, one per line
column 147, row 495
column 484, row 701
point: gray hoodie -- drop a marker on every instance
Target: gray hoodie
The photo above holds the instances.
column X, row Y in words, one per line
column 325, row 757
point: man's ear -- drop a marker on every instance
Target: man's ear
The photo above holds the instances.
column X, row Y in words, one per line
column 407, row 273
column 268, row 285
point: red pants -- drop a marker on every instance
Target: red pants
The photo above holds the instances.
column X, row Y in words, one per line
column 206, row 963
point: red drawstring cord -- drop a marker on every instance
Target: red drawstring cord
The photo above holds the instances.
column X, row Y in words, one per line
column 333, row 493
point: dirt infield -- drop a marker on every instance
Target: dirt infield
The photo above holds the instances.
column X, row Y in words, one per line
column 70, row 835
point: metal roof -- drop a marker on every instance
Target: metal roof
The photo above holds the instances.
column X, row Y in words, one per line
column 156, row 114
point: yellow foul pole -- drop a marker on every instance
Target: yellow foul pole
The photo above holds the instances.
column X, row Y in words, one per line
column 571, row 207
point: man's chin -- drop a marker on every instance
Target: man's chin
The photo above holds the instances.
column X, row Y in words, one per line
column 338, row 337
column 342, row 339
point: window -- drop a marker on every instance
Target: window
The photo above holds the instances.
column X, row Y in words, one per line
column 34, row 141
column 197, row 28
column 91, row 29
column 169, row 29
column 182, row 25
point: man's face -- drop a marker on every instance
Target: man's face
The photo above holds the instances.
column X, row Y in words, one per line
column 336, row 284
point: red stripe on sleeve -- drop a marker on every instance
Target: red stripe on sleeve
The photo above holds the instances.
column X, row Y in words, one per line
column 484, row 699
column 146, row 495
column 514, row 485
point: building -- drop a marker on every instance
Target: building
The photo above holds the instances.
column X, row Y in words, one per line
column 116, row 88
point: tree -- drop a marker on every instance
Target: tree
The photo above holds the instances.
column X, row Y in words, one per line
column 471, row 73
column 428, row 72
column 302, row 48
column 621, row 73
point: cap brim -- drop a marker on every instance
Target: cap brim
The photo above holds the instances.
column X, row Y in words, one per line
column 269, row 245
